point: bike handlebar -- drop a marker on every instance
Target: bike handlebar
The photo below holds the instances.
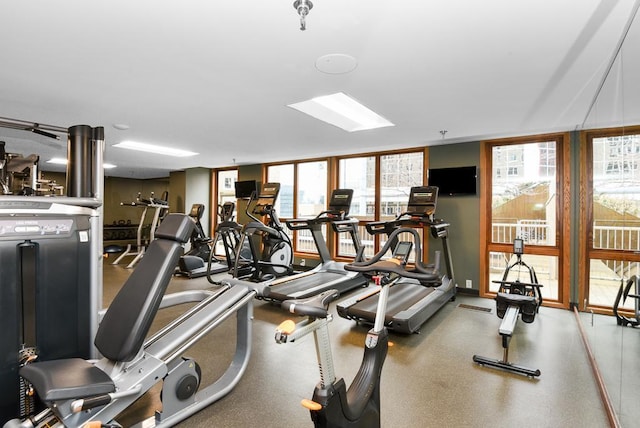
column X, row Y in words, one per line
column 316, row 306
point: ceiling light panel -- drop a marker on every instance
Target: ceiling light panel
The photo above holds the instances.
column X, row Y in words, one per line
column 63, row 161
column 58, row 161
column 342, row 111
column 152, row 148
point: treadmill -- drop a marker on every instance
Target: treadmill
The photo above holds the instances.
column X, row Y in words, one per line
column 411, row 302
column 329, row 274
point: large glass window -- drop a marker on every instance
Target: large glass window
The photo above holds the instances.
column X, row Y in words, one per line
column 381, row 186
column 283, row 174
column 226, row 186
column 308, row 182
column 398, row 174
column 359, row 174
column 613, row 213
column 226, row 192
column 525, row 188
column 524, row 194
column 311, row 191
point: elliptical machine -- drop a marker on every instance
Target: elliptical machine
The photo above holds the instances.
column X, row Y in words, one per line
column 199, row 241
column 333, row 405
column 200, row 260
column 275, row 257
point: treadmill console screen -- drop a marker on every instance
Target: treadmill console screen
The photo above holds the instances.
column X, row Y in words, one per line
column 341, row 201
column 423, row 199
column 403, row 251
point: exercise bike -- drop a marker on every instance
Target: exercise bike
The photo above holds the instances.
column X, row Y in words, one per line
column 514, row 299
column 333, row 405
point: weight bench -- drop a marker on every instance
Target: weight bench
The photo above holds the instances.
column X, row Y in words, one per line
column 77, row 391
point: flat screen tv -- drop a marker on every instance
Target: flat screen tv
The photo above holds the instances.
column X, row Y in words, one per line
column 454, row 181
column 244, row 189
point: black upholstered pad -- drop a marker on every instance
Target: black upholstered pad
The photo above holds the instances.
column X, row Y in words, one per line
column 515, row 299
column 67, row 379
column 176, row 227
column 126, row 323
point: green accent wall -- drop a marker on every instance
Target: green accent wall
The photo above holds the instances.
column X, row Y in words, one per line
column 461, row 212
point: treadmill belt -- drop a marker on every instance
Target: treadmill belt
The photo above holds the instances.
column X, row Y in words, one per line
column 316, row 283
column 401, row 297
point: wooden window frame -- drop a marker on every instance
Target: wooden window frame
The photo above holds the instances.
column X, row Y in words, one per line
column 586, row 251
column 563, row 230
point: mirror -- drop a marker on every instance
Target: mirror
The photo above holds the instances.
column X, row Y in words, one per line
column 615, row 347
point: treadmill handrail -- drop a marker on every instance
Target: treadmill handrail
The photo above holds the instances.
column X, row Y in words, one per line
column 327, row 216
column 377, row 265
column 407, row 217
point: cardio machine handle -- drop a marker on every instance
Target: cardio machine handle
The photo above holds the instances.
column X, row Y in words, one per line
column 327, row 216
column 257, row 226
column 391, row 266
column 377, row 265
column 508, row 284
column 316, row 306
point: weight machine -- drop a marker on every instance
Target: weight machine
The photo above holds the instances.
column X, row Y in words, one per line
column 79, row 393
column 51, row 272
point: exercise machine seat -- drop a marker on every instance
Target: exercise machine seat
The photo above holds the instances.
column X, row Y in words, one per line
column 67, row 379
column 126, row 323
column 528, row 305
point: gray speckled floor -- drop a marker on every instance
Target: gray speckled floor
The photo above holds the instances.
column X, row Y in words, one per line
column 428, row 380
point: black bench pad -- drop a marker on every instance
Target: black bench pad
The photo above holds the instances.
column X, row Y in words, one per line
column 67, row 379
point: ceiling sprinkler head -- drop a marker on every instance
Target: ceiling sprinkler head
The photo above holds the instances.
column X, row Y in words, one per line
column 303, row 7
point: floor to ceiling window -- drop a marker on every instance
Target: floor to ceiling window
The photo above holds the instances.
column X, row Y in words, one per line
column 524, row 197
column 611, row 215
column 303, row 193
column 381, row 185
column 225, row 192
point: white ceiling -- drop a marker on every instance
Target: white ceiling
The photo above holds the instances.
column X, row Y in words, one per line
column 215, row 77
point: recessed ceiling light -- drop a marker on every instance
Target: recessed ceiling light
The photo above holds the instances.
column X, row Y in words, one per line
column 63, row 161
column 342, row 111
column 152, row 148
column 121, row 126
column 58, row 161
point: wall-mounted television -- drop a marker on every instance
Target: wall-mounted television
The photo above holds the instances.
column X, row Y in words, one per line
column 244, row 189
column 454, row 181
